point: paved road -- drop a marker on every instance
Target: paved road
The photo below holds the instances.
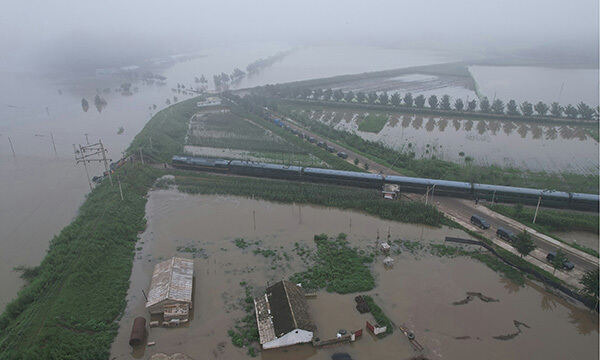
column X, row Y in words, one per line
column 464, row 209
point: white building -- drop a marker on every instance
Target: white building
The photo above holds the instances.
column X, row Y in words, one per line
column 171, row 288
column 282, row 316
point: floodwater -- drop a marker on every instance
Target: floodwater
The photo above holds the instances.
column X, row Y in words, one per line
column 533, row 84
column 488, row 142
column 42, row 189
column 419, row 291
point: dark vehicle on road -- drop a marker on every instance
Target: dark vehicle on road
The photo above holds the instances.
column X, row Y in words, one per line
column 322, row 144
column 480, row 222
column 506, row 235
column 342, row 154
column 330, row 148
column 567, row 265
column 311, row 139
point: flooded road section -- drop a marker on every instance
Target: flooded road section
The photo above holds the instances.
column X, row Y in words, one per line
column 419, row 291
column 488, row 142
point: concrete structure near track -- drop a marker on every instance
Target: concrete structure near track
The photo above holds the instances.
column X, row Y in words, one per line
column 170, row 291
column 282, row 316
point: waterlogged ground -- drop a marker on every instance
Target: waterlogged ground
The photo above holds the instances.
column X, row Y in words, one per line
column 505, row 143
column 419, row 291
column 533, row 84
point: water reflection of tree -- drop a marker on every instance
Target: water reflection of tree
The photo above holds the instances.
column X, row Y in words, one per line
column 481, row 127
column 456, row 124
column 536, row 131
column 523, row 130
column 468, row 125
column 551, row 133
column 584, row 320
column 494, row 126
column 579, row 133
column 566, row 132
column 394, row 120
column 418, row 122
column 442, row 124
column 406, row 119
column 548, row 301
column 430, row 125
column 508, row 127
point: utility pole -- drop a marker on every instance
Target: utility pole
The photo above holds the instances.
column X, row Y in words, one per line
column 142, row 156
column 86, row 139
column 151, row 148
column 103, row 150
column 53, row 144
column 11, row 147
column 120, row 189
column 537, row 208
column 89, row 153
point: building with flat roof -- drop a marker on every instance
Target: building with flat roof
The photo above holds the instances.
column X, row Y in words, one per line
column 282, row 316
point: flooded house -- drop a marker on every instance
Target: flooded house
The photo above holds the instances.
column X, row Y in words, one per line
column 282, row 316
column 170, row 291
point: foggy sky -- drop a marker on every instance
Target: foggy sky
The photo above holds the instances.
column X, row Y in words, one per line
column 115, row 31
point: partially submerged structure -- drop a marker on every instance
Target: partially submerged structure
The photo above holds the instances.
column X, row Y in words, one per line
column 171, row 289
column 282, row 316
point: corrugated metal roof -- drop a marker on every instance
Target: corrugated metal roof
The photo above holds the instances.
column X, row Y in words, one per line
column 172, row 279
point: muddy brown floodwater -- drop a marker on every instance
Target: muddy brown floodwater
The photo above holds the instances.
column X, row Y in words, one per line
column 419, row 291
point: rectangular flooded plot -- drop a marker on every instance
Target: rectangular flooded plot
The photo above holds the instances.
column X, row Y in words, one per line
column 238, row 242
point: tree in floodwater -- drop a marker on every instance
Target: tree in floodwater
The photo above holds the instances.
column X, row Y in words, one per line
column 497, row 107
column 360, row 97
column 556, row 110
column 559, row 260
column 511, row 108
column 484, row 105
column 524, row 244
column 372, row 97
column 433, row 102
column 408, row 99
column 100, row 103
column 585, row 111
column 383, row 98
column 459, row 105
column 327, row 94
column 541, row 108
column 526, row 108
column 85, row 105
column 420, row 101
column 472, row 105
column 318, row 93
column 571, row 112
column 591, row 288
column 168, row 102
column 445, row 102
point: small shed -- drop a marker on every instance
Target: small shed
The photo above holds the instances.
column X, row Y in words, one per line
column 282, row 316
column 171, row 288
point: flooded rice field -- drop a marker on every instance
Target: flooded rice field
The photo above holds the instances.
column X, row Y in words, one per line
column 533, row 84
column 488, row 142
column 426, row 293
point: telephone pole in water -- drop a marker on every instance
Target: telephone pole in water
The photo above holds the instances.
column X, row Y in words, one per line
column 89, row 153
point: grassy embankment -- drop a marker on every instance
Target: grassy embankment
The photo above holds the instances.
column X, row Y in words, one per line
column 372, row 123
column 408, row 165
column 549, row 221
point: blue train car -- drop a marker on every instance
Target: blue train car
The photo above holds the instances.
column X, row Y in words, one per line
column 343, row 177
column 196, row 163
column 264, row 169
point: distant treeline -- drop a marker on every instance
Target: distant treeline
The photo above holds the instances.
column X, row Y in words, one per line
column 444, row 104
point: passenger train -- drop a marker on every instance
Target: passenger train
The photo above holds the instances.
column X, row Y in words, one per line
column 468, row 190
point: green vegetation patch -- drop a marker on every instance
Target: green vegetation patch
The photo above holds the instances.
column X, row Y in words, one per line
column 373, row 123
column 548, row 221
column 364, row 200
column 338, row 268
column 379, row 315
column 245, row 332
column 71, row 306
column 164, row 135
